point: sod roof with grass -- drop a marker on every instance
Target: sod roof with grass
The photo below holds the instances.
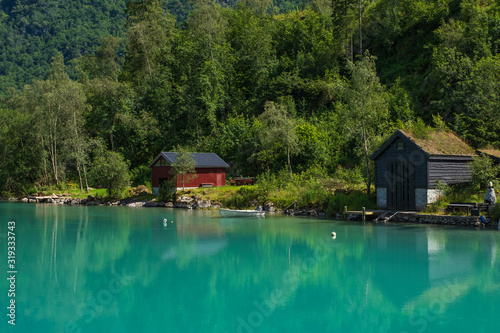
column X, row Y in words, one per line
column 436, row 142
column 432, row 142
column 492, row 153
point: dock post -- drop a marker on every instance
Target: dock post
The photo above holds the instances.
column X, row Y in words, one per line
column 345, row 211
column 364, row 212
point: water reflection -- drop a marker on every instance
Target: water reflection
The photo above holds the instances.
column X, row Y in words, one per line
column 202, row 273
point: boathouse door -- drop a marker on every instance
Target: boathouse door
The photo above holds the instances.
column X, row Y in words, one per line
column 401, row 186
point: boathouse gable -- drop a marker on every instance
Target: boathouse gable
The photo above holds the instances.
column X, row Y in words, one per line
column 399, row 148
column 408, row 170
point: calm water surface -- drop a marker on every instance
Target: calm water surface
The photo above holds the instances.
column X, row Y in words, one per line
column 118, row 269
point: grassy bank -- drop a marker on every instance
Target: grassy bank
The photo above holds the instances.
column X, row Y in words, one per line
column 312, row 189
column 306, row 190
column 467, row 193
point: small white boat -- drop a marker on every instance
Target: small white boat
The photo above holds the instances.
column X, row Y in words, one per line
column 241, row 213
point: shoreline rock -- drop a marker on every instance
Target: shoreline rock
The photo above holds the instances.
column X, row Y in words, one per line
column 183, row 202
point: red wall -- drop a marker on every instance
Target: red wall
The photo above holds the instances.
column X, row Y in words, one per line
column 214, row 176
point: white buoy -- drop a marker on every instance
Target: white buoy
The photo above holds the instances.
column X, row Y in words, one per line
column 165, row 221
column 334, row 234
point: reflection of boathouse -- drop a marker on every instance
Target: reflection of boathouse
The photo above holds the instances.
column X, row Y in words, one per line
column 408, row 168
column 433, row 261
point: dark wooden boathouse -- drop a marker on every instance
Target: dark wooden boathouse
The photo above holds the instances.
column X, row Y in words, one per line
column 408, row 168
column 210, row 170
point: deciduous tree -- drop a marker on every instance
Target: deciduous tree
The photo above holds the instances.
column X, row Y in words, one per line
column 111, row 171
column 183, row 166
column 278, row 131
column 367, row 103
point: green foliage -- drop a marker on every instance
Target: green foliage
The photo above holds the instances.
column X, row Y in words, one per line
column 264, row 84
column 167, row 191
column 111, row 171
column 443, row 188
column 483, row 171
column 457, row 193
column 348, row 178
column 141, row 175
column 420, row 129
column 278, row 130
column 355, row 200
column 495, row 212
column 32, row 32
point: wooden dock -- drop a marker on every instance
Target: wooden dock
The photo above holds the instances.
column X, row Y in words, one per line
column 363, row 212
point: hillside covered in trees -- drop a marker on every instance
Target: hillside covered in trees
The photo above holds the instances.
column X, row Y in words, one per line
column 267, row 85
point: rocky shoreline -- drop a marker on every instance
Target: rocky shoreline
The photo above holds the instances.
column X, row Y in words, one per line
column 419, row 218
column 183, row 202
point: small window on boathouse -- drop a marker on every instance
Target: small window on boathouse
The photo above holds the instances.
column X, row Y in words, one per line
column 400, row 145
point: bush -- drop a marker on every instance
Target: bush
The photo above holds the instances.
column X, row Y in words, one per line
column 111, row 171
column 167, row 191
column 356, row 200
column 141, row 175
column 483, row 171
column 420, row 130
column 495, row 212
column 348, row 178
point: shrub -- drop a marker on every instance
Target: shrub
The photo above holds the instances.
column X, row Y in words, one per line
column 111, row 171
column 483, row 171
column 167, row 191
column 141, row 175
column 348, row 178
column 356, row 200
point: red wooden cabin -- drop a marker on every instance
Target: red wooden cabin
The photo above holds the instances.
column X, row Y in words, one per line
column 210, row 171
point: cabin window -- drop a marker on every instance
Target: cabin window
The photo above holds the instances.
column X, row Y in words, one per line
column 400, row 145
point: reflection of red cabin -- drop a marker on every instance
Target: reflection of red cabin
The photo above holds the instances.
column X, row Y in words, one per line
column 210, row 170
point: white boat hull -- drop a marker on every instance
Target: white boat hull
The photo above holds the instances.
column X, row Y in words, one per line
column 241, row 213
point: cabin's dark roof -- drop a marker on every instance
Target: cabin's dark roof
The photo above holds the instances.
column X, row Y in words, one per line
column 203, row 160
column 493, row 153
column 437, row 143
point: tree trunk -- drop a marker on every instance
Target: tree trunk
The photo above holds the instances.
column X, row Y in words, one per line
column 53, row 158
column 46, row 176
column 85, row 175
column 111, row 141
column 360, row 34
column 352, row 45
column 368, row 177
column 289, row 163
column 79, row 176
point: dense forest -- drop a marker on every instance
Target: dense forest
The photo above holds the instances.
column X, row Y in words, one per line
column 267, row 85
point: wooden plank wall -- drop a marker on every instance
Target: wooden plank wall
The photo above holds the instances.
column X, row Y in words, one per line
column 449, row 171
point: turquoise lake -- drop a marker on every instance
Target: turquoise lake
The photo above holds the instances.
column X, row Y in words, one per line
column 118, row 269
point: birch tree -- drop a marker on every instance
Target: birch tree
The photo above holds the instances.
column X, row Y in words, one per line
column 60, row 106
column 279, row 130
column 368, row 108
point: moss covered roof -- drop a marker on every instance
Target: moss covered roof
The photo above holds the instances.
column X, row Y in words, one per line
column 491, row 152
column 441, row 143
